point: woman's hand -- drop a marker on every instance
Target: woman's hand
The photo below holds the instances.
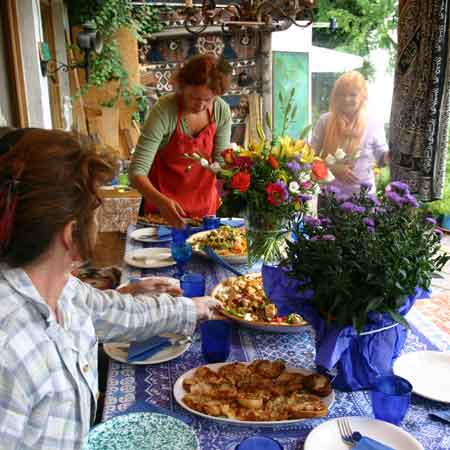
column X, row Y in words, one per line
column 172, row 212
column 207, row 307
column 154, row 285
column 344, row 173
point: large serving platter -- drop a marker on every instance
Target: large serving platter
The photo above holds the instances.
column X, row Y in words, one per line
column 274, row 327
column 195, row 240
column 179, row 392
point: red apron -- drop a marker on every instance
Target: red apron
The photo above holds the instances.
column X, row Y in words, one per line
column 182, row 179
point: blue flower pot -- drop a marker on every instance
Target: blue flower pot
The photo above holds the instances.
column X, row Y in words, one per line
column 444, row 220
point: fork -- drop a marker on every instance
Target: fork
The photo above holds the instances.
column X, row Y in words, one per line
column 345, row 430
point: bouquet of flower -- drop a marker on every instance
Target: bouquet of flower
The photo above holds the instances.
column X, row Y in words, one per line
column 365, row 255
column 269, row 182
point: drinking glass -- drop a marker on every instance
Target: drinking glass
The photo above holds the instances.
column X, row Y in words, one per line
column 216, row 340
column 193, row 285
column 180, row 249
column 391, row 396
column 259, row 443
column 211, row 222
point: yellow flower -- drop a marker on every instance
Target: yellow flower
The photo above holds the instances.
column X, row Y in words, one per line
column 307, row 154
column 297, row 205
column 283, row 175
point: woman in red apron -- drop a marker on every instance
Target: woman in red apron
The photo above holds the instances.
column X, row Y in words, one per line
column 193, row 120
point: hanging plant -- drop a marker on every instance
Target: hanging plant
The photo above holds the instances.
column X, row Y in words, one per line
column 109, row 16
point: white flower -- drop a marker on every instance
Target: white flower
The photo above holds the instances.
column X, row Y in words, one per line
column 234, row 146
column 357, row 154
column 304, row 176
column 316, row 189
column 330, row 177
column 294, row 187
column 330, row 160
column 339, row 154
column 215, row 167
column 204, row 163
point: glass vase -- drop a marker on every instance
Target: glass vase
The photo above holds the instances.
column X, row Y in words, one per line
column 266, row 237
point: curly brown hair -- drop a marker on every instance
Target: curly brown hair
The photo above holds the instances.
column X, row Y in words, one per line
column 205, row 70
column 56, row 177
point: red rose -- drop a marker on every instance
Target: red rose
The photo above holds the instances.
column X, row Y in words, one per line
column 276, row 194
column 228, row 156
column 272, row 162
column 319, row 170
column 240, row 181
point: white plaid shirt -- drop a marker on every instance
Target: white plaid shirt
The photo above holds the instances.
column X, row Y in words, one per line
column 48, row 371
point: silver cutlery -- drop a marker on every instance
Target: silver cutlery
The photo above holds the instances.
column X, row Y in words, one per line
column 346, row 432
column 182, row 340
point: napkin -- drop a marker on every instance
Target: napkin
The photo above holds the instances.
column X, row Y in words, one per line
column 366, row 443
column 163, row 231
column 443, row 416
column 143, row 406
column 138, row 351
column 232, row 221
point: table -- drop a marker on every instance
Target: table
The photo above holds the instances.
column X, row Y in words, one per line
column 127, row 384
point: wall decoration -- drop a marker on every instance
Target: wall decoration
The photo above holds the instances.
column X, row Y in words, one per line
column 291, row 70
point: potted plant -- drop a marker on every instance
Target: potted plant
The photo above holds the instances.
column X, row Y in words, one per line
column 354, row 273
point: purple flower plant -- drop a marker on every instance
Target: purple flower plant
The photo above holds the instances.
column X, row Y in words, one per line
column 328, row 237
column 410, row 200
column 399, row 186
column 366, row 186
column 395, row 198
column 330, row 189
column 311, row 221
column 374, row 199
column 431, row 220
column 352, row 208
column 293, row 166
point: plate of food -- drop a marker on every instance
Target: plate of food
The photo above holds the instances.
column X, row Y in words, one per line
column 260, row 393
column 157, row 219
column 244, row 301
column 228, row 242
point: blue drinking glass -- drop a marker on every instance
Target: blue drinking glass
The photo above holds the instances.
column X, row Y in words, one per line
column 193, row 285
column 259, row 443
column 180, row 249
column 391, row 396
column 216, row 340
column 211, row 222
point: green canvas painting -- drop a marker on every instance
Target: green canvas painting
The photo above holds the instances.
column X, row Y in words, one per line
column 291, row 70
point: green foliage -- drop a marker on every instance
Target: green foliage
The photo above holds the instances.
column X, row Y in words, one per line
column 442, row 207
column 363, row 25
column 355, row 268
column 110, row 16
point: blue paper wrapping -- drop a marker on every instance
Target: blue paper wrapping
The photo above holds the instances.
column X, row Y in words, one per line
column 358, row 358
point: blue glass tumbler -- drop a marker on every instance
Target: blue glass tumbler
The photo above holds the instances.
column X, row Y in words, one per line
column 180, row 249
column 216, row 340
column 391, row 396
column 193, row 285
column 259, row 443
column 211, row 222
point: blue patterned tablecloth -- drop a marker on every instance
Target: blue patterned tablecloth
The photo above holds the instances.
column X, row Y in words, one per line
column 127, row 384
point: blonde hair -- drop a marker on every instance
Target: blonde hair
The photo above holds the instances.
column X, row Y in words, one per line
column 341, row 132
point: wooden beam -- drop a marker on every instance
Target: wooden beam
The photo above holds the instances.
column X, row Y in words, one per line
column 18, row 95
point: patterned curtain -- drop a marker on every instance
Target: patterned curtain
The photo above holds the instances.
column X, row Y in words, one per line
column 420, row 110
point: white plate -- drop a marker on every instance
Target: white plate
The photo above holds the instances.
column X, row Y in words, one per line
column 119, row 352
column 233, row 259
column 179, row 393
column 326, row 436
column 152, row 232
column 149, row 258
column 259, row 325
column 170, row 280
column 428, row 372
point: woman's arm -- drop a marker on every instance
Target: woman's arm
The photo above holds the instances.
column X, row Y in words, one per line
column 222, row 115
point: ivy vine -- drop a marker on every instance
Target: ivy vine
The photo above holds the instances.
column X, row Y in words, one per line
column 109, row 16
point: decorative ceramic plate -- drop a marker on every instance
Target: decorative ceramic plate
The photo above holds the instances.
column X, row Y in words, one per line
column 119, row 352
column 196, row 239
column 221, row 292
column 149, row 234
column 428, row 372
column 142, row 431
column 179, row 393
column 326, row 436
column 149, row 258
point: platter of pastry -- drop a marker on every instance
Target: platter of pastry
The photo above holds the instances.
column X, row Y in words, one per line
column 260, row 393
column 157, row 219
column 228, row 242
column 244, row 301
